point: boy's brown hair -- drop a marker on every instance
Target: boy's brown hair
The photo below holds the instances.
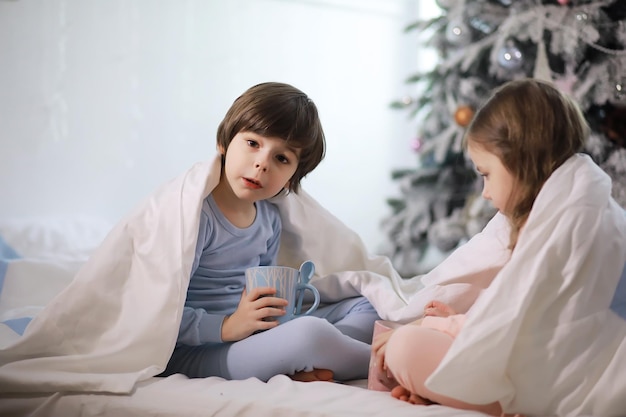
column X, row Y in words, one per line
column 278, row 110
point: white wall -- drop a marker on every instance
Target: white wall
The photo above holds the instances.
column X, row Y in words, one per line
column 103, row 100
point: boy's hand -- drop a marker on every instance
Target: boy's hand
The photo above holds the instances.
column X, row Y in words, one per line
column 438, row 309
column 252, row 314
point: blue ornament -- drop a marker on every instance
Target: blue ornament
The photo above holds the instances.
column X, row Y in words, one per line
column 482, row 25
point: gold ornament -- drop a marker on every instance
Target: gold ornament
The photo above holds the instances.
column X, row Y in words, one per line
column 463, row 115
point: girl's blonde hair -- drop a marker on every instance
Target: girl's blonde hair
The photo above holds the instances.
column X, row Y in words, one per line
column 532, row 128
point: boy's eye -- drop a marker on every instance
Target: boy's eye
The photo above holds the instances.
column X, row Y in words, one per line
column 253, row 143
column 282, row 159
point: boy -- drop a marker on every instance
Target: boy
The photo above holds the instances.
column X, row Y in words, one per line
column 270, row 138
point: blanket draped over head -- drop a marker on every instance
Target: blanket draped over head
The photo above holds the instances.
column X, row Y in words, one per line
column 543, row 317
column 543, row 338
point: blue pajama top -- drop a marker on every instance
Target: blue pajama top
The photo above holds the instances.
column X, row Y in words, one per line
column 223, row 253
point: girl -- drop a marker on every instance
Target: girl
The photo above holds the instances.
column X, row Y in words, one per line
column 524, row 140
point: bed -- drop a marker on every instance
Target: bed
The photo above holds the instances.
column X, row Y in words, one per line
column 51, row 250
column 39, row 259
column 68, row 285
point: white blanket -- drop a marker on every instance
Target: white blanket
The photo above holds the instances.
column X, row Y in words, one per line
column 117, row 322
column 542, row 339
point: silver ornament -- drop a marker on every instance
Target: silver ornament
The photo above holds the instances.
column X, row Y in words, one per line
column 510, row 57
column 620, row 90
column 407, row 100
column 457, row 32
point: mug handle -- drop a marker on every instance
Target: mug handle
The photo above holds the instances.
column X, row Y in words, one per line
column 307, row 269
column 301, row 288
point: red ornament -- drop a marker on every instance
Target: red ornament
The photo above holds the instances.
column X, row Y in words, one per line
column 463, row 115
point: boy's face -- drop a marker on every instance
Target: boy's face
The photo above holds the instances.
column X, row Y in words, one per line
column 497, row 180
column 258, row 167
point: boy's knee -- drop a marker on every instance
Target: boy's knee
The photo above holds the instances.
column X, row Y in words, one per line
column 311, row 333
column 310, row 326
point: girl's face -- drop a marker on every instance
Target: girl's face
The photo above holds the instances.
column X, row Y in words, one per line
column 497, row 180
column 258, row 167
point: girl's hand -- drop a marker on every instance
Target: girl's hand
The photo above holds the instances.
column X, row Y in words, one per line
column 255, row 312
column 378, row 349
column 438, row 309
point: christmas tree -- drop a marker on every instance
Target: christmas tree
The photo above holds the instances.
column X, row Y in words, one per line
column 580, row 45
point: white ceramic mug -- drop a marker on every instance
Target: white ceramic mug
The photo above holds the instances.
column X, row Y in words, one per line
column 290, row 284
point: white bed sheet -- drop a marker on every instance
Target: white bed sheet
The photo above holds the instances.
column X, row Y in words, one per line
column 178, row 396
column 83, row 342
column 67, row 243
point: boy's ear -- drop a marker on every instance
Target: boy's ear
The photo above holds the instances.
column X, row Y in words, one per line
column 221, row 149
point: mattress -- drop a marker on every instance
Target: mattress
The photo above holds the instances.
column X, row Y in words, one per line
column 59, row 247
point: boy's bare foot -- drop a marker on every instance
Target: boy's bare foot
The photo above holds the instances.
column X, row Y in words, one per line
column 314, row 375
column 403, row 394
